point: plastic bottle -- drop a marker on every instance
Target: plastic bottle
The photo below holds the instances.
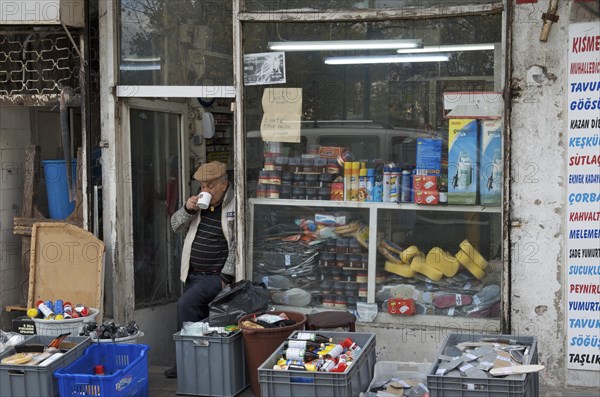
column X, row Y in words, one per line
column 370, row 184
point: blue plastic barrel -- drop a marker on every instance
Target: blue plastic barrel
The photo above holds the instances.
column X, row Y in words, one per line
column 57, row 188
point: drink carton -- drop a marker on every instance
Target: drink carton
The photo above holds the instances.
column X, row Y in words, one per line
column 462, row 161
column 490, row 179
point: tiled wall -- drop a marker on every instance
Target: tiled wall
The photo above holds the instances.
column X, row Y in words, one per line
column 15, row 135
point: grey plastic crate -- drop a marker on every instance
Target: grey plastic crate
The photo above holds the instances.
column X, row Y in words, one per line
column 275, row 383
column 25, row 380
column 525, row 385
column 210, row 365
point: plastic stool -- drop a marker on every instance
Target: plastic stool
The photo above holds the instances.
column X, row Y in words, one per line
column 330, row 319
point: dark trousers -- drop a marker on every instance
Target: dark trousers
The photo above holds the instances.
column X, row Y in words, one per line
column 199, row 290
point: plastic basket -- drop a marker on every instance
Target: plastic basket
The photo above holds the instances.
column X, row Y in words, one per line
column 35, row 380
column 126, row 339
column 57, row 327
column 524, row 385
column 125, row 366
column 291, row 383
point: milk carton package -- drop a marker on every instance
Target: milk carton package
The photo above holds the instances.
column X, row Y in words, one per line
column 490, row 171
column 463, row 161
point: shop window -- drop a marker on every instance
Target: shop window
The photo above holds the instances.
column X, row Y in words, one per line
column 176, row 43
column 379, row 151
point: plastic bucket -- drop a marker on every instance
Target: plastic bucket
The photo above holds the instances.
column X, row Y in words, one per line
column 260, row 343
column 57, row 188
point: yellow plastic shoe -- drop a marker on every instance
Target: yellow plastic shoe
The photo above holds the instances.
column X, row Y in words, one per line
column 443, row 261
column 473, row 254
column 403, row 270
column 419, row 265
column 409, row 253
column 464, row 260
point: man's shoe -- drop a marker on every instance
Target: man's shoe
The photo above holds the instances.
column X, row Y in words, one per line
column 171, row 372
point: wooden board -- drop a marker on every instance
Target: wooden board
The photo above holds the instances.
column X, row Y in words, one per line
column 67, row 262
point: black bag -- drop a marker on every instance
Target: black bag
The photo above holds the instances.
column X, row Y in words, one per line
column 237, row 300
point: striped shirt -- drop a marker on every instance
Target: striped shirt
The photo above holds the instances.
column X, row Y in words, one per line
column 209, row 249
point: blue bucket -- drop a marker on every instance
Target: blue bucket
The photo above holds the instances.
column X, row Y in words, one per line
column 57, row 188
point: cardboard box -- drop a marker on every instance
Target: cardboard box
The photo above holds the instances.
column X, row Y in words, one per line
column 401, row 306
column 427, row 197
column 23, row 325
column 491, row 164
column 429, row 156
column 462, row 161
column 425, row 183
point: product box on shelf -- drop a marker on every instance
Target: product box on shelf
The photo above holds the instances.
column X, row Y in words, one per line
column 429, row 156
column 524, row 385
column 490, row 182
column 426, row 197
column 425, row 183
column 462, row 161
column 36, row 380
column 356, row 379
column 210, row 365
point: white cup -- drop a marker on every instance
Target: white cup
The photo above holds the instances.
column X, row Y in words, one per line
column 204, row 200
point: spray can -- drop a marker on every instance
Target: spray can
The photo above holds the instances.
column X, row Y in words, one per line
column 362, row 185
column 354, row 184
column 347, row 180
column 387, row 177
column 378, row 185
column 395, row 185
column 406, row 195
column 370, row 184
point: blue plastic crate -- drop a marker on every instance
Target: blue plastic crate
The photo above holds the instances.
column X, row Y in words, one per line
column 125, row 367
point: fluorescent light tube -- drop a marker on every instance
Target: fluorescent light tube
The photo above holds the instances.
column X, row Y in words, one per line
column 448, row 48
column 362, row 60
column 341, row 45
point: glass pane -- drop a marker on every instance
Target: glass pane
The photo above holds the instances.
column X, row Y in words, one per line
column 364, row 127
column 311, row 263
column 181, row 42
column 430, row 268
column 155, row 188
column 289, row 5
